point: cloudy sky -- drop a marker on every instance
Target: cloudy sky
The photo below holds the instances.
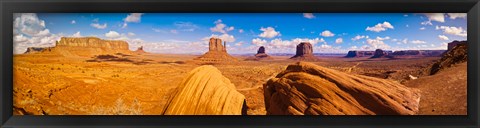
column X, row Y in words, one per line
column 188, row 33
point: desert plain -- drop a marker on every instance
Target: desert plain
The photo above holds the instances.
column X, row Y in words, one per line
column 141, row 83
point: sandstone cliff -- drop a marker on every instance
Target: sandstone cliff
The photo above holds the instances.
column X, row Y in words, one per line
column 308, row 89
column 205, row 91
column 87, row 47
column 458, row 54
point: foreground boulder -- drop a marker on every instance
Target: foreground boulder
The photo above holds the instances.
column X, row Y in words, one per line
column 308, row 89
column 304, row 52
column 205, row 91
column 457, row 54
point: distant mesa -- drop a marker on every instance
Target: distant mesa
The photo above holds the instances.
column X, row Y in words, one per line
column 140, row 50
column 379, row 53
column 352, row 54
column 392, row 54
column 456, row 54
column 304, row 52
column 216, row 52
column 84, row 46
column 261, row 55
column 308, row 89
column 31, row 50
column 205, row 91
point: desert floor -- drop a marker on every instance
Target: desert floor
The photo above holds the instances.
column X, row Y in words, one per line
column 141, row 84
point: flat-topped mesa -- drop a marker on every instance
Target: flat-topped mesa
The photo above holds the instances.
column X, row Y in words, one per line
column 379, row 53
column 92, row 42
column 359, row 54
column 31, row 50
column 216, row 52
column 304, row 52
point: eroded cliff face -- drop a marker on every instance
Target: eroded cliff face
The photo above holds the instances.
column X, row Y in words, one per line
column 83, row 47
column 92, row 42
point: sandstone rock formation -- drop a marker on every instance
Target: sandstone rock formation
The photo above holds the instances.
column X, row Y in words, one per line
column 351, row 54
column 304, row 52
column 261, row 55
column 308, row 89
column 31, row 50
column 205, row 91
column 457, row 54
column 455, row 43
column 85, row 46
column 379, row 53
column 216, row 52
column 140, row 50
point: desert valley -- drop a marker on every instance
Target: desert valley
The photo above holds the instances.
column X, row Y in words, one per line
column 92, row 76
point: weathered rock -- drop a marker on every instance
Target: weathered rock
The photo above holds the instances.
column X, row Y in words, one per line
column 457, row 54
column 92, row 42
column 304, row 52
column 85, row 46
column 308, row 89
column 261, row 55
column 455, row 43
column 359, row 54
column 379, row 53
column 261, row 50
column 31, row 50
column 140, row 50
column 216, row 52
column 205, row 91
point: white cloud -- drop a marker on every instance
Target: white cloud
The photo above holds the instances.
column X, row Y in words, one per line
column 428, row 22
column 269, row 32
column 439, row 17
column 422, row 28
column 259, row 42
column 30, row 31
column 458, row 31
column 77, row 34
column 457, row 15
column 380, row 27
column 133, row 17
column 99, row 26
column 240, row 31
column 418, row 42
column 131, row 34
column 358, row 37
column 112, row 34
column 174, row 31
column 327, row 33
column 443, row 37
column 308, row 15
column 185, row 26
column 124, row 25
column 378, row 43
column 224, row 37
column 339, row 40
column 221, row 27
column 239, row 43
column 353, row 47
column 73, row 22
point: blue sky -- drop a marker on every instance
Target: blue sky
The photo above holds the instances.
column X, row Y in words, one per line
column 187, row 33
